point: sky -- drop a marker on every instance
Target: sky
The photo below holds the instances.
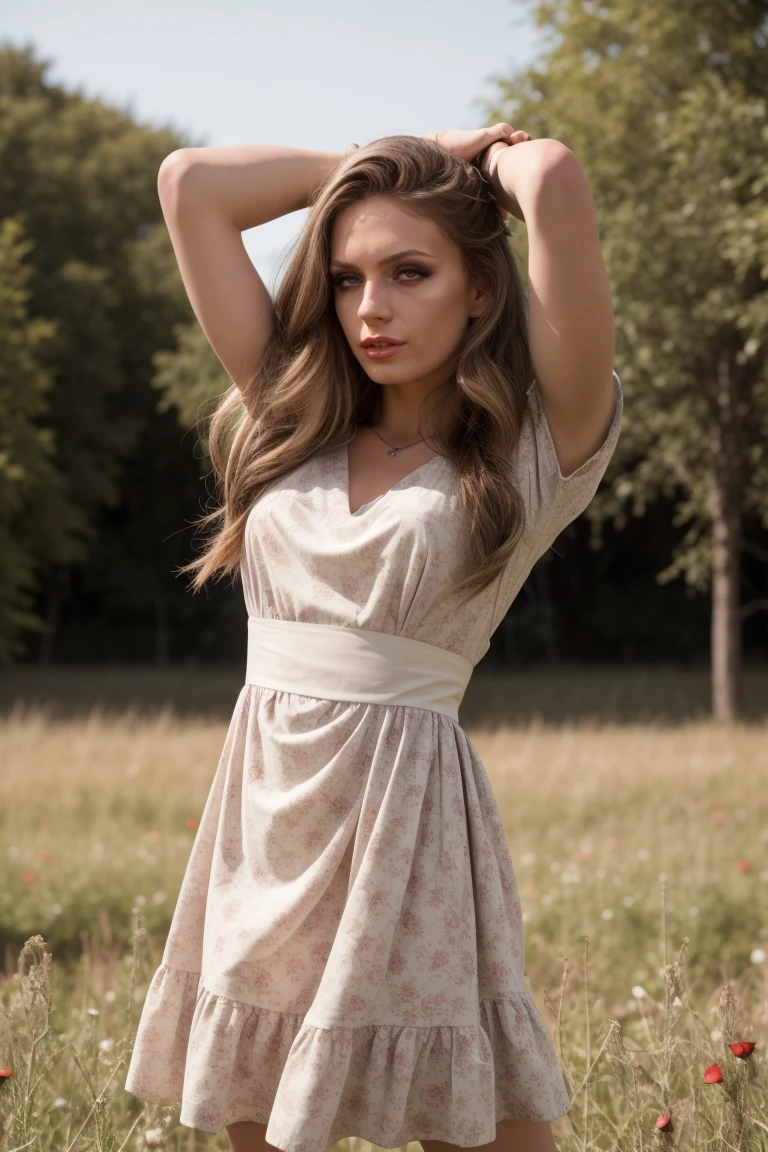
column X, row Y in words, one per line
column 291, row 72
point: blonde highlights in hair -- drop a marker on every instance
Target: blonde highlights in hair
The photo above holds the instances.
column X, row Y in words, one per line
column 309, row 392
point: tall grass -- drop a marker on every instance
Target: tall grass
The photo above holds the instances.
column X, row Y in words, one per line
column 641, row 854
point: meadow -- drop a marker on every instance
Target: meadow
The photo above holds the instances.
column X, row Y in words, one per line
column 640, row 847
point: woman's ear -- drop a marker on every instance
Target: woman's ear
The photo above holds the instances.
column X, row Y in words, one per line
column 479, row 301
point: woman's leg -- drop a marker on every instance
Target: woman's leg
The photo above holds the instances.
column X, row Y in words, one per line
column 247, row 1136
column 511, row 1136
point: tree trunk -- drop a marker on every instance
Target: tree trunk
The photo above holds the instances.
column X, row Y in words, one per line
column 52, row 612
column 162, row 637
column 728, row 475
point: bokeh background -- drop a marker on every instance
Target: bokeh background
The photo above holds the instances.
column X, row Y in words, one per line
column 622, row 708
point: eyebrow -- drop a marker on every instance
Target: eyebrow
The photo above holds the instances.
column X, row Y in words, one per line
column 387, row 259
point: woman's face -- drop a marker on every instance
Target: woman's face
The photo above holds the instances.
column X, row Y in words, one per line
column 422, row 299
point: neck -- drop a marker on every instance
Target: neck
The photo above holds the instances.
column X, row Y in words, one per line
column 407, row 413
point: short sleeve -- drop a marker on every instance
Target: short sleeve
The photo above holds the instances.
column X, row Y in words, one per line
column 552, row 500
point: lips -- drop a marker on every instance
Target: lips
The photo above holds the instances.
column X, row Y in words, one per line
column 371, row 341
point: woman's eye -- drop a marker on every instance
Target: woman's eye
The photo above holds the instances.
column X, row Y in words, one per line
column 421, row 274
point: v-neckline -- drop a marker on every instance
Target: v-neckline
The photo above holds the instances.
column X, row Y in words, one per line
column 344, row 451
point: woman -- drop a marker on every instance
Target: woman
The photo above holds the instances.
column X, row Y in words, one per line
column 347, row 956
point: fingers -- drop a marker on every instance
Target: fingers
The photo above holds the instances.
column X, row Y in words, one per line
column 507, row 133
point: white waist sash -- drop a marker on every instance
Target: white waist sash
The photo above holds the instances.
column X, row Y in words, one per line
column 332, row 662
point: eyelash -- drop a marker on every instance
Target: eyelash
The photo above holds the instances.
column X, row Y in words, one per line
column 422, row 275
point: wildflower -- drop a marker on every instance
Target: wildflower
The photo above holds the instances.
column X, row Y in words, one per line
column 743, row 865
column 639, row 992
column 743, row 1049
column 153, row 1137
column 606, row 914
column 191, row 823
column 153, row 835
column 158, row 898
column 664, row 1122
column 59, row 1102
column 5, row 1075
column 93, row 1011
column 110, row 996
column 612, row 842
column 713, row 1074
column 643, row 854
column 28, row 877
column 717, row 816
column 581, row 856
column 56, row 909
column 106, row 1045
column 757, row 956
column 45, row 855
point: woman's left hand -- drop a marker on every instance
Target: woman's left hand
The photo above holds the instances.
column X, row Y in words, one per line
column 469, row 143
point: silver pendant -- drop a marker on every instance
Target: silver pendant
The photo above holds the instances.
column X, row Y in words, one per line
column 392, row 452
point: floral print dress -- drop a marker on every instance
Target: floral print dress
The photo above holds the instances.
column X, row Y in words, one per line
column 346, row 957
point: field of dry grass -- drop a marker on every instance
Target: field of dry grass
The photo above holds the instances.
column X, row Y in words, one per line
column 641, row 853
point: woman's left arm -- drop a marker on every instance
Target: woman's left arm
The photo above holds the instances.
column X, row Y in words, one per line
column 571, row 328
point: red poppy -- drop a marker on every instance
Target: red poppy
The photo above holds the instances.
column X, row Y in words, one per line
column 743, row 1049
column 45, row 855
column 5, row 1075
column 713, row 1074
column 191, row 823
column 717, row 816
column 612, row 841
column 28, row 877
column 743, row 865
column 664, row 1122
column 581, row 855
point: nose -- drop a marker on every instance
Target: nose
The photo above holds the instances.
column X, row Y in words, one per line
column 373, row 302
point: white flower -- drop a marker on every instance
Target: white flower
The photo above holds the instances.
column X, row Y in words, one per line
column 141, row 901
column 93, row 1011
column 555, row 866
column 106, row 1045
column 716, row 1034
column 643, row 854
column 59, row 1102
column 757, row 956
column 639, row 992
column 56, row 909
column 158, row 898
column 677, row 1002
column 606, row 914
column 764, row 875
column 628, row 901
column 153, row 1137
column 528, row 858
column 693, row 910
column 110, row 996
column 13, row 852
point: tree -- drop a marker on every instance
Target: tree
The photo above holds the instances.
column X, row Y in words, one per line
column 81, row 179
column 30, row 498
column 666, row 108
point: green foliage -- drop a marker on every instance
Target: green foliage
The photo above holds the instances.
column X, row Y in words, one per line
column 666, row 107
column 30, row 495
column 190, row 377
column 101, row 283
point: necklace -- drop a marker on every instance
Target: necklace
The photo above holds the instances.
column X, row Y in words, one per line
column 392, row 450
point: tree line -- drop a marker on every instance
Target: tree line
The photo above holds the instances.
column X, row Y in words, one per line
column 104, row 371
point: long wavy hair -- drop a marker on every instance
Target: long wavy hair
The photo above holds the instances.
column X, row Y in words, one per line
column 309, row 392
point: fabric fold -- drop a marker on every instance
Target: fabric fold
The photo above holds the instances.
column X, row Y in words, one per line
column 226, row 1061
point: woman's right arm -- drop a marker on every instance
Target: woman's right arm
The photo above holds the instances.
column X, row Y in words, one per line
column 209, row 196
